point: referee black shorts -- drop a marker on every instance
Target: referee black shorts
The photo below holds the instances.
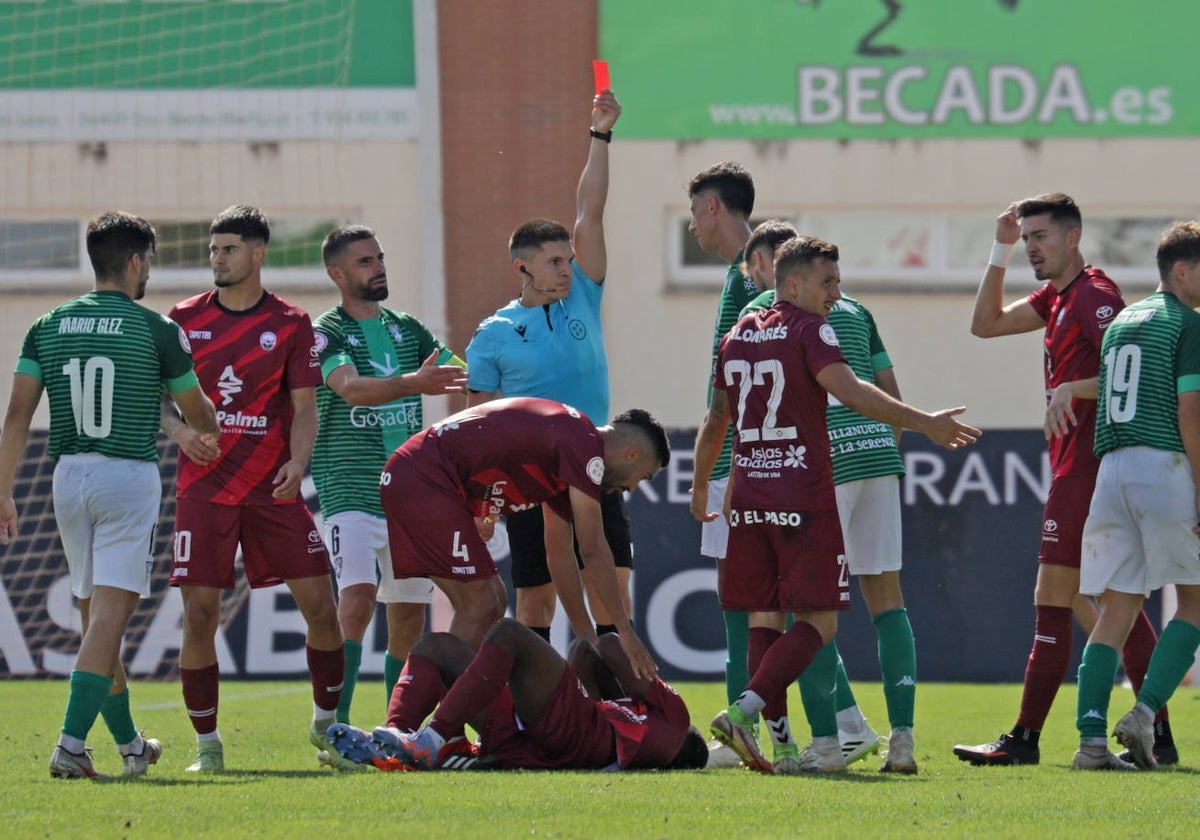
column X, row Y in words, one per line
column 527, row 541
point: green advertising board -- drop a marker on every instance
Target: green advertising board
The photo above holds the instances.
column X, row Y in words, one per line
column 887, row 69
column 206, row 69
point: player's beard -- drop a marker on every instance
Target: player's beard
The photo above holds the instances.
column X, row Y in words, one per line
column 374, row 293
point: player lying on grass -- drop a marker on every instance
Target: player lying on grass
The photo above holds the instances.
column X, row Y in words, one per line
column 532, row 708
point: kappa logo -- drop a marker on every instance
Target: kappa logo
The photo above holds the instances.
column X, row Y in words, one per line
column 396, row 334
column 1093, row 713
column 353, row 341
column 229, row 385
column 268, row 340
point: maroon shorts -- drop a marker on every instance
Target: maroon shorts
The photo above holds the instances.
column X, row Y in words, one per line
column 573, row 732
column 785, row 561
column 1063, row 517
column 431, row 531
column 279, row 543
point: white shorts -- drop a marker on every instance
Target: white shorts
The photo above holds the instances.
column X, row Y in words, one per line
column 1138, row 535
column 107, row 513
column 358, row 549
column 869, row 510
column 714, row 536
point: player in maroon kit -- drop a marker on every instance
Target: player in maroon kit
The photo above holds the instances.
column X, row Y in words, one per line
column 504, row 456
column 256, row 359
column 774, row 371
column 532, row 709
column 1074, row 307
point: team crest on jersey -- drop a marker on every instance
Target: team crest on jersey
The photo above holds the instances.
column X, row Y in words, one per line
column 320, row 343
column 183, row 341
column 268, row 340
column 828, row 335
column 595, row 469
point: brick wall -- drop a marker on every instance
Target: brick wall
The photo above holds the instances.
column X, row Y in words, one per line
column 516, row 80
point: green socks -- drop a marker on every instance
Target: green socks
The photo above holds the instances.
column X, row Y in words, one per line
column 1173, row 657
column 88, row 695
column 818, row 691
column 1097, row 671
column 737, row 642
column 898, row 665
column 350, row 680
column 118, row 717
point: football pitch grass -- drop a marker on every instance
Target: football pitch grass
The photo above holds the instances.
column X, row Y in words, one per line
column 274, row 788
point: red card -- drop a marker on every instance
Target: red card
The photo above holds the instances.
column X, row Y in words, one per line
column 600, row 71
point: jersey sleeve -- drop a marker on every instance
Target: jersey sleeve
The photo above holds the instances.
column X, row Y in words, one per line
column 1040, row 301
column 1187, row 357
column 303, row 364
column 332, row 349
column 585, row 289
column 880, row 360
column 483, row 371
column 581, row 459
column 821, row 347
column 174, row 352
column 29, row 362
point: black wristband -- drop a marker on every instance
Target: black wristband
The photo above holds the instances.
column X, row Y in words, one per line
column 606, row 136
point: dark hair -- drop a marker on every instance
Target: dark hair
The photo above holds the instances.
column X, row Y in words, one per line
column 693, row 753
column 801, row 252
column 534, row 234
column 651, row 428
column 770, row 234
column 1061, row 207
column 732, row 184
column 113, row 238
column 1178, row 243
column 339, row 239
column 245, row 221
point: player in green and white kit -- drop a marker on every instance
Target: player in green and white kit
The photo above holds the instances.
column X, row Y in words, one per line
column 866, row 473
column 1141, row 530
column 375, row 364
column 721, row 201
column 104, row 362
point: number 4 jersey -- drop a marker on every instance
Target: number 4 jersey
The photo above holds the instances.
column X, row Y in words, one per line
column 104, row 362
column 768, row 365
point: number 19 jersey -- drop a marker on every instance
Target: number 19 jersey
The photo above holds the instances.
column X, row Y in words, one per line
column 1150, row 355
column 767, row 365
column 104, row 361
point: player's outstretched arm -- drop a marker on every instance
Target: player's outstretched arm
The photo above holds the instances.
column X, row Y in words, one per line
column 430, row 378
column 940, row 427
column 22, row 402
column 591, row 254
